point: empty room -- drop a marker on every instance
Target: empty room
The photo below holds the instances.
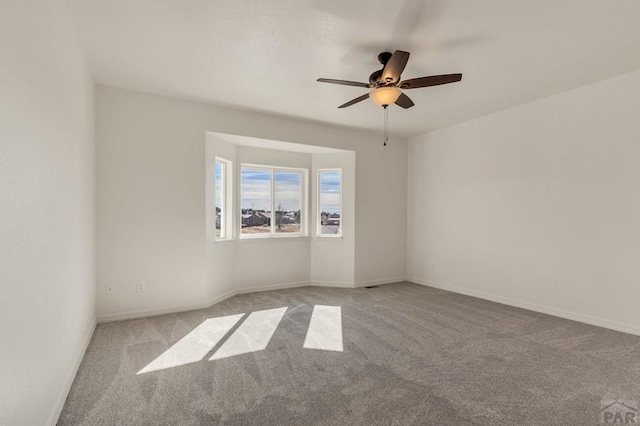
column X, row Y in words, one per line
column 319, row 212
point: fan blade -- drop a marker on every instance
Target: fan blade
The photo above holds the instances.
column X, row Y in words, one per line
column 434, row 80
column 355, row 101
column 404, row 101
column 344, row 82
column 392, row 71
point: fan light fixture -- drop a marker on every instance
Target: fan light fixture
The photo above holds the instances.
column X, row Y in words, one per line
column 383, row 96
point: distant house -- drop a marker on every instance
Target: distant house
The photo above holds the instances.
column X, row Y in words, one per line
column 256, row 219
column 330, row 219
column 265, row 217
column 284, row 219
column 252, row 219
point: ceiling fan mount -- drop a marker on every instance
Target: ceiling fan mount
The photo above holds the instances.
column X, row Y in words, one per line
column 376, row 77
column 389, row 77
column 384, row 57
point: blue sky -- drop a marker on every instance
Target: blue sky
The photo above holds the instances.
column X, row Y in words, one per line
column 219, row 168
column 256, row 189
column 330, row 182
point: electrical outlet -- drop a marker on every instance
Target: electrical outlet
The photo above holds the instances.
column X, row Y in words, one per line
column 108, row 289
column 140, row 286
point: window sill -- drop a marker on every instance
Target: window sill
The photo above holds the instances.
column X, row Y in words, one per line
column 329, row 237
column 273, row 238
column 224, row 240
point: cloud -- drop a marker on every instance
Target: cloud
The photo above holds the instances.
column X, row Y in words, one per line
column 256, row 190
column 330, row 203
column 218, row 180
column 330, row 190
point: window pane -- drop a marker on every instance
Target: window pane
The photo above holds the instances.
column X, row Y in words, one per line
column 256, row 201
column 288, row 201
column 330, row 183
column 220, row 196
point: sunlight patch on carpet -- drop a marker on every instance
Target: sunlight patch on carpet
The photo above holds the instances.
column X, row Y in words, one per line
column 253, row 334
column 325, row 329
column 194, row 346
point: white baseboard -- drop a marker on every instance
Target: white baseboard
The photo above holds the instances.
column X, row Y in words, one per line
column 379, row 282
column 272, row 287
column 335, row 284
column 122, row 316
column 574, row 316
column 216, row 300
column 357, row 284
column 184, row 308
column 57, row 409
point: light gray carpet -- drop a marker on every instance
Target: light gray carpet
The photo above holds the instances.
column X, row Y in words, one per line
column 412, row 355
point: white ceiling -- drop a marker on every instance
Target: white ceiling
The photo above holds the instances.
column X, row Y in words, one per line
column 277, row 145
column 265, row 55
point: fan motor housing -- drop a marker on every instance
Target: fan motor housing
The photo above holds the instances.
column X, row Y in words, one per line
column 375, row 77
column 384, row 57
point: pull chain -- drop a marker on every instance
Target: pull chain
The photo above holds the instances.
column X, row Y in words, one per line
column 386, row 124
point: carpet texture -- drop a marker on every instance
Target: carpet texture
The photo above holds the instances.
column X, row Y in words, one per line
column 412, row 355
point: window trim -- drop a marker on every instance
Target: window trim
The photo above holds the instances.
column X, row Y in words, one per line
column 318, row 212
column 226, row 211
column 304, row 202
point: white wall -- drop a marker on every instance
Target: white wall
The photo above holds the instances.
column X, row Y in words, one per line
column 47, row 289
column 333, row 259
column 381, row 202
column 221, row 255
column 151, row 197
column 536, row 206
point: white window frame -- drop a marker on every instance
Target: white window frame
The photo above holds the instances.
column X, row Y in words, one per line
column 226, row 213
column 304, row 202
column 319, row 233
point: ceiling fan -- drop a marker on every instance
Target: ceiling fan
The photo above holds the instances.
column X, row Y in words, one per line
column 386, row 84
